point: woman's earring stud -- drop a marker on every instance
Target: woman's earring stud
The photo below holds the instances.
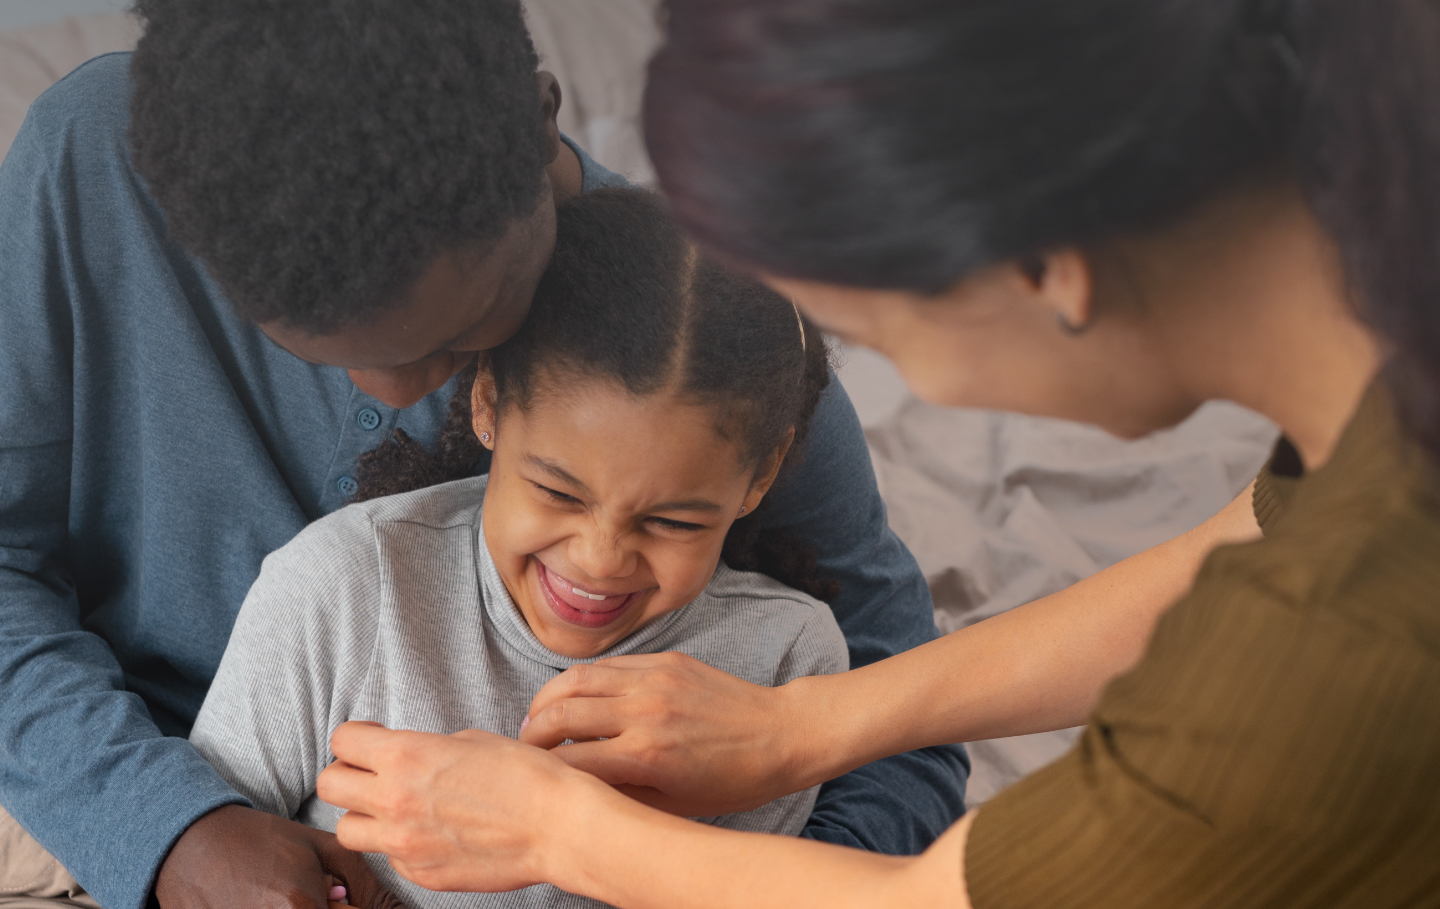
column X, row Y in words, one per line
column 1069, row 327
column 743, row 509
column 485, row 437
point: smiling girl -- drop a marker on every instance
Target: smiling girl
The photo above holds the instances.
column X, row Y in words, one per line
column 636, row 424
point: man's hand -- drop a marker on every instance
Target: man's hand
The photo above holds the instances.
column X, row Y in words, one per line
column 237, row 856
column 677, row 734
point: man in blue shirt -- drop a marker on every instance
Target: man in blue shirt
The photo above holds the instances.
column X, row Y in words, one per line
column 230, row 265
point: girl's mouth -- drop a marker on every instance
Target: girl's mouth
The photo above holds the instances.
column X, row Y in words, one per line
column 578, row 606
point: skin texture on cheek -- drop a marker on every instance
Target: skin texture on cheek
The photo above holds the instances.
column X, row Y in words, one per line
column 626, row 498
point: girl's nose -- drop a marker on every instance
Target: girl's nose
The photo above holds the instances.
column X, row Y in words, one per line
column 602, row 555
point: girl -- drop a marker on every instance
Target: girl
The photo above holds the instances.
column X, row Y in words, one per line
column 635, row 425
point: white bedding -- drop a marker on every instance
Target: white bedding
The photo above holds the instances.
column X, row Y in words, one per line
column 1002, row 509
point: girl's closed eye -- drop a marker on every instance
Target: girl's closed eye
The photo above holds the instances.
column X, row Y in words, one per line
column 556, row 495
column 676, row 526
column 667, row 524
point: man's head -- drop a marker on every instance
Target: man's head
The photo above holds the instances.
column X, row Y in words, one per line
column 364, row 178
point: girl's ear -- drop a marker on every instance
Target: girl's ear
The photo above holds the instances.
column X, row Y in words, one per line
column 768, row 471
column 482, row 405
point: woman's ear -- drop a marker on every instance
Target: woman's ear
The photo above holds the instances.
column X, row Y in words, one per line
column 1062, row 281
column 482, row 405
column 766, row 474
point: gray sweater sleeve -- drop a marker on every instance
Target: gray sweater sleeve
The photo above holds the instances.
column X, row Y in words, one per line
column 303, row 637
column 819, row 649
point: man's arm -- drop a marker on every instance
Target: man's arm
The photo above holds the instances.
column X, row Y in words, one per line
column 84, row 765
column 78, row 752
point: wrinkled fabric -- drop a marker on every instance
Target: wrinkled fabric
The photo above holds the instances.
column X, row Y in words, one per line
column 1001, row 509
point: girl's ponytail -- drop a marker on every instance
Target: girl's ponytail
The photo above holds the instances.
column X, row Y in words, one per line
column 1369, row 140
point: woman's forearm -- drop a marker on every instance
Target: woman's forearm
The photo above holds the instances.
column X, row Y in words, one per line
column 686, row 737
column 608, row 852
column 482, row 813
column 1035, row 668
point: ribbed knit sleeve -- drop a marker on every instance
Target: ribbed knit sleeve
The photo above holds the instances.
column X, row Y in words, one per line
column 1276, row 484
column 1266, row 498
column 1279, row 743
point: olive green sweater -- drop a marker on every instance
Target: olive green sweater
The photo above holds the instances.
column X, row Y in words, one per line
column 1279, row 744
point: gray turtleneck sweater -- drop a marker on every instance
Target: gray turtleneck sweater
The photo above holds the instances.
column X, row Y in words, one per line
column 392, row 611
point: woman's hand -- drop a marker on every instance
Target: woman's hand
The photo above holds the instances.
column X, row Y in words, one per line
column 674, row 733
column 470, row 811
column 478, row 812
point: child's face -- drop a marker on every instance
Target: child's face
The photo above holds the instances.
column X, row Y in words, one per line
column 606, row 510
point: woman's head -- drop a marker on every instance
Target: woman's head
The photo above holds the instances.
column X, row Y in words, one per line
column 649, row 401
column 914, row 145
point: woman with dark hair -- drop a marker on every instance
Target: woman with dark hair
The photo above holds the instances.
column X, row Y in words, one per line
column 1106, row 210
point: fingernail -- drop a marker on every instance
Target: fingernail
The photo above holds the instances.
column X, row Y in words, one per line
column 525, row 722
column 337, row 893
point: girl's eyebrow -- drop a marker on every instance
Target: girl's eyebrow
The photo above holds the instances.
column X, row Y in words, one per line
column 687, row 505
column 556, row 471
column 565, row 476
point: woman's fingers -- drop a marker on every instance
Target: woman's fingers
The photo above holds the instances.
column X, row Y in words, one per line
column 452, row 812
column 360, row 743
column 614, row 677
column 609, row 760
column 588, row 680
column 347, row 787
column 577, row 719
column 706, row 742
column 644, row 660
column 359, row 832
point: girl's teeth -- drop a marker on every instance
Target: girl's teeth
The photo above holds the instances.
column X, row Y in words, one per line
column 589, row 596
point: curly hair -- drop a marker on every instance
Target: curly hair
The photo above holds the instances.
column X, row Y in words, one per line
column 627, row 300
column 318, row 155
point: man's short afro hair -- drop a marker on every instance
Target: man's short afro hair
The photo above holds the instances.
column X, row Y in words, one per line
column 318, row 154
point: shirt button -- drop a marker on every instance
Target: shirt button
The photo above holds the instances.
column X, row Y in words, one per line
column 368, row 419
column 347, row 486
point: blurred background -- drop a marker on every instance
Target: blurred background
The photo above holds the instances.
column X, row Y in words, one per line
column 15, row 13
column 999, row 509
